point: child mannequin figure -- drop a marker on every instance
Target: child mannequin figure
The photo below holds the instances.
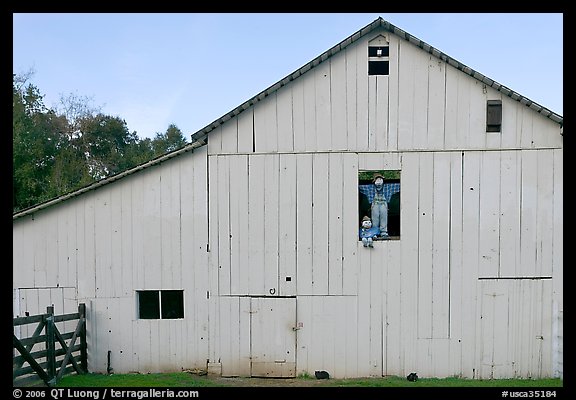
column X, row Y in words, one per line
column 368, row 232
column 380, row 207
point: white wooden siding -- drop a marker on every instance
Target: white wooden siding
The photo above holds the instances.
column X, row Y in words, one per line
column 274, row 195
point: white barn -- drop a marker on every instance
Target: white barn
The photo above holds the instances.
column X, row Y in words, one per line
column 239, row 253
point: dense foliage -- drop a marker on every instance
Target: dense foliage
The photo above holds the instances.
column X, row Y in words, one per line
column 56, row 151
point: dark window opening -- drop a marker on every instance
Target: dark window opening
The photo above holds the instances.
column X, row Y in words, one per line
column 373, row 201
column 160, row 304
column 494, row 116
column 378, row 60
column 378, row 51
column 378, row 68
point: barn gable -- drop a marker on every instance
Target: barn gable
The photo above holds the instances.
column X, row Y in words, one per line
column 255, row 224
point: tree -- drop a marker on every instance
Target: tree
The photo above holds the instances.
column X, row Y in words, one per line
column 171, row 140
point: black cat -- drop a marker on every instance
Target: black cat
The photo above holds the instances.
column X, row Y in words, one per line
column 322, row 375
column 412, row 377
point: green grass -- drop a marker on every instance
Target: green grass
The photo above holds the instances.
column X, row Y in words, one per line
column 183, row 379
column 176, row 379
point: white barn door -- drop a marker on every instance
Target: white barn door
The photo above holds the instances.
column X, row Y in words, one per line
column 273, row 339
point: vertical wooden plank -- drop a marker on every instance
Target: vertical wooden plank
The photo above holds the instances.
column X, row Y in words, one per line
column 230, row 136
column 39, row 251
column 335, row 214
column 244, row 337
column 202, row 268
column 420, row 123
column 265, row 128
column 558, row 233
column 60, row 242
column 372, row 93
column 546, row 347
column 406, row 90
column 510, row 206
column 265, row 124
column 53, row 269
column 382, row 111
column 224, row 189
column 287, row 225
column 489, row 219
column 544, row 213
column 441, row 247
column 526, row 117
column 350, row 223
column 213, row 262
column 451, row 138
column 103, row 242
column 238, row 224
column 271, row 216
column 246, row 131
column 152, row 238
column 391, row 311
column 320, row 223
column 455, row 269
column 304, row 212
column 409, row 257
column 436, row 103
column 470, row 257
column 175, row 223
column 362, row 104
column 378, row 254
column 309, row 83
column 426, row 189
column 284, row 110
column 528, row 213
column 351, row 103
column 363, row 326
column 165, row 193
column 477, row 133
column 338, row 106
column 509, row 138
column 393, row 93
column 137, row 227
column 323, row 102
column 215, row 141
column 501, row 325
column 304, row 334
column 298, row 114
column 350, row 334
column 126, row 232
column 229, row 335
column 256, row 168
column 463, row 111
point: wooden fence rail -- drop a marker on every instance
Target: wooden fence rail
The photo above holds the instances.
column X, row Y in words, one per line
column 61, row 353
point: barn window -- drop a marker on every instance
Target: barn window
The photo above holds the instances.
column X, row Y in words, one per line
column 378, row 60
column 160, row 304
column 494, row 116
column 391, row 192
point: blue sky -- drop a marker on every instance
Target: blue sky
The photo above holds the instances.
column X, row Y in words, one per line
column 154, row 69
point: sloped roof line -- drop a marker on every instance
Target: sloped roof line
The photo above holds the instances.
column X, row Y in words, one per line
column 379, row 22
column 199, row 138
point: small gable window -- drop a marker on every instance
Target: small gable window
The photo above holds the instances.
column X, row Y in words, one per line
column 494, row 116
column 379, row 56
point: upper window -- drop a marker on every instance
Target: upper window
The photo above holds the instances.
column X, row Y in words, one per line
column 379, row 201
column 160, row 304
column 378, row 60
column 494, row 116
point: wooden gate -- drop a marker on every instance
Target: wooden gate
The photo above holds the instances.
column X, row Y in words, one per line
column 54, row 356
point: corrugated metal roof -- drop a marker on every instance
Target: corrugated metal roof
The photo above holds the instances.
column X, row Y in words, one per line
column 198, row 138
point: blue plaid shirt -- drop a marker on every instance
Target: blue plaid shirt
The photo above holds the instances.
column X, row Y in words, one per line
column 370, row 190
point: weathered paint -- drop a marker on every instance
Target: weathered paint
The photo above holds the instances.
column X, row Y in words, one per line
column 473, row 287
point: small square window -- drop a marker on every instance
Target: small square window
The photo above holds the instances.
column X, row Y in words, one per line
column 160, row 304
column 494, row 116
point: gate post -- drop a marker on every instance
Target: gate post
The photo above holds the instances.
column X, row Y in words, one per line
column 83, row 345
column 50, row 344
